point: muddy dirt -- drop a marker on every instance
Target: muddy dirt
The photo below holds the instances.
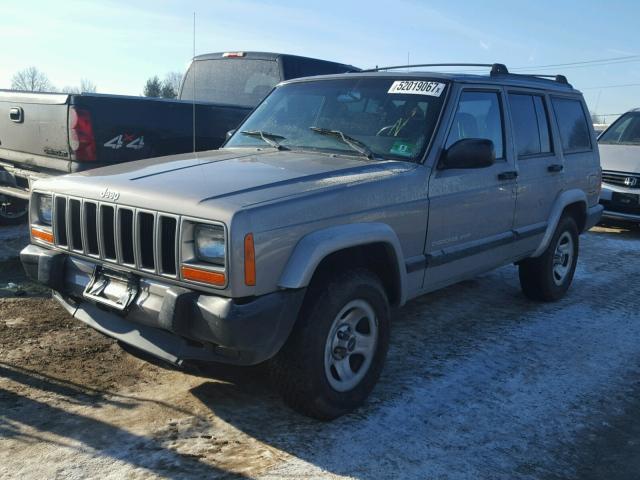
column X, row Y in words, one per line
column 480, row 383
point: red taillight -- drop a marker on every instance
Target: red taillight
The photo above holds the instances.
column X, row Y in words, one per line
column 81, row 138
column 233, row 54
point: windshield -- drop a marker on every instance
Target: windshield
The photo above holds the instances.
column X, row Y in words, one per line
column 234, row 81
column 625, row 131
column 375, row 117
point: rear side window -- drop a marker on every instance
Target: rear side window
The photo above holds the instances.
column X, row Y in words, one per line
column 479, row 115
column 530, row 125
column 572, row 123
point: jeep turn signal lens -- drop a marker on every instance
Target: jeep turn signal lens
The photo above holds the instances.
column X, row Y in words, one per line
column 249, row 261
column 203, row 276
column 42, row 235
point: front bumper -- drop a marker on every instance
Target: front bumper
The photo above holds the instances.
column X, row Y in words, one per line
column 171, row 322
column 16, row 182
column 618, row 211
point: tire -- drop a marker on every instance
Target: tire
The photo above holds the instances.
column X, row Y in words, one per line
column 13, row 211
column 323, row 338
column 548, row 277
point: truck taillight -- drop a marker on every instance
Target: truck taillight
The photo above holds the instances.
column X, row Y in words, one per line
column 81, row 138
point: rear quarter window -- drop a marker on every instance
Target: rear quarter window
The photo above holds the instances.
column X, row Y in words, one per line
column 572, row 123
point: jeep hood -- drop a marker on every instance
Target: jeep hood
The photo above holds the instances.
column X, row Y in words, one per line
column 620, row 158
column 239, row 177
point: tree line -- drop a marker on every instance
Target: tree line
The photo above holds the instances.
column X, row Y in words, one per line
column 33, row 80
column 167, row 88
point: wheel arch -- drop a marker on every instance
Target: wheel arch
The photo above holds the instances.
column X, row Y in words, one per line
column 572, row 202
column 371, row 245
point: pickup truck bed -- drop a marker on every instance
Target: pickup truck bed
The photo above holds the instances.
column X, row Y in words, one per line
column 37, row 132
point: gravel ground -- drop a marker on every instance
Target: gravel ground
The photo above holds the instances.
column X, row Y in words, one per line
column 480, row 383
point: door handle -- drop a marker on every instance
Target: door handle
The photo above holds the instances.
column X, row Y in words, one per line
column 508, row 175
column 16, row 114
column 555, row 168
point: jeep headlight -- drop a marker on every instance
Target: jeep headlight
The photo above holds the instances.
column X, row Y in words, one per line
column 210, row 244
column 44, row 208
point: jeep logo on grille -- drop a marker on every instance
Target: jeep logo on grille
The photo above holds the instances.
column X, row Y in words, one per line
column 631, row 181
column 110, row 194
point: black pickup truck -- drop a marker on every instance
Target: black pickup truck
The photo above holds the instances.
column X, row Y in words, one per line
column 45, row 134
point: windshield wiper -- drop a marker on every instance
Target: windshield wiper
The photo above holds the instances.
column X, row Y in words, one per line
column 354, row 143
column 270, row 138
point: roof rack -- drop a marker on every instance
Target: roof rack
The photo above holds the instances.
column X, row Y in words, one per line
column 496, row 69
column 555, row 78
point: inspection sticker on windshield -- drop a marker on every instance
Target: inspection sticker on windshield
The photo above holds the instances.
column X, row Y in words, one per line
column 433, row 89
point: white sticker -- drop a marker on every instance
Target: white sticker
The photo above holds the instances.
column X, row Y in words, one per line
column 417, row 87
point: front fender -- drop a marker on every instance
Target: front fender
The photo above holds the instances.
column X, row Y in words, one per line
column 566, row 198
column 316, row 246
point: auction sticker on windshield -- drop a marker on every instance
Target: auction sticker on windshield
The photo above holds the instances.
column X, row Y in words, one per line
column 420, row 87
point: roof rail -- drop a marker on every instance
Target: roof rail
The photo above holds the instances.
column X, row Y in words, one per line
column 496, row 68
column 555, row 78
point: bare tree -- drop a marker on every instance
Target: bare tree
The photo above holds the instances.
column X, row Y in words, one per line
column 31, row 80
column 173, row 80
column 70, row 90
column 88, row 86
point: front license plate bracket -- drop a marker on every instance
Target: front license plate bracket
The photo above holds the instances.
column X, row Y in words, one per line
column 117, row 290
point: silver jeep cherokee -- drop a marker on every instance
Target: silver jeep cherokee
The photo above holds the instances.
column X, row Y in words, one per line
column 337, row 198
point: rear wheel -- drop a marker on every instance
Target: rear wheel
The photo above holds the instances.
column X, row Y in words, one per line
column 548, row 277
column 13, row 211
column 335, row 354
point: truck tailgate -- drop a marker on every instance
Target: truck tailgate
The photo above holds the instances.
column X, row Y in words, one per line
column 33, row 125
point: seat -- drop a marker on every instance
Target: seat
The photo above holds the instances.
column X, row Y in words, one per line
column 465, row 125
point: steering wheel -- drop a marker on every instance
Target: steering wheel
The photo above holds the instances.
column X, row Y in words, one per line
column 384, row 130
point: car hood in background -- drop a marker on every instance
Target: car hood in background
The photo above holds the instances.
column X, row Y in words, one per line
column 620, row 158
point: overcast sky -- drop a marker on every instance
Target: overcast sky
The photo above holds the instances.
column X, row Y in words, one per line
column 119, row 44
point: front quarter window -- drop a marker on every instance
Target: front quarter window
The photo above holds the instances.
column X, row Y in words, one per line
column 350, row 116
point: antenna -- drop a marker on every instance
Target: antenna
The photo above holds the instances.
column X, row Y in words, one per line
column 193, row 75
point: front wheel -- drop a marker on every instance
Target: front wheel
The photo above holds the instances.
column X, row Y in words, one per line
column 548, row 277
column 336, row 352
column 13, row 211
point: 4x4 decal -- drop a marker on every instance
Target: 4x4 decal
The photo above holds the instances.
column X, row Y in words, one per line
column 125, row 140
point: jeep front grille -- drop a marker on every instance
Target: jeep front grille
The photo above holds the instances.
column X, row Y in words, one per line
column 627, row 180
column 136, row 238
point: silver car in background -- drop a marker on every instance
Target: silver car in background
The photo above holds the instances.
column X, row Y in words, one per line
column 620, row 159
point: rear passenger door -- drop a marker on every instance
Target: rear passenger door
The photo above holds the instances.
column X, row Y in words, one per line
column 540, row 166
column 471, row 210
column 577, row 143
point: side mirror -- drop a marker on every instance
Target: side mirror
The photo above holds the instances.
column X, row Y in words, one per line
column 229, row 134
column 469, row 153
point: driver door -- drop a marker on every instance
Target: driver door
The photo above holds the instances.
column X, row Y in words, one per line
column 471, row 211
